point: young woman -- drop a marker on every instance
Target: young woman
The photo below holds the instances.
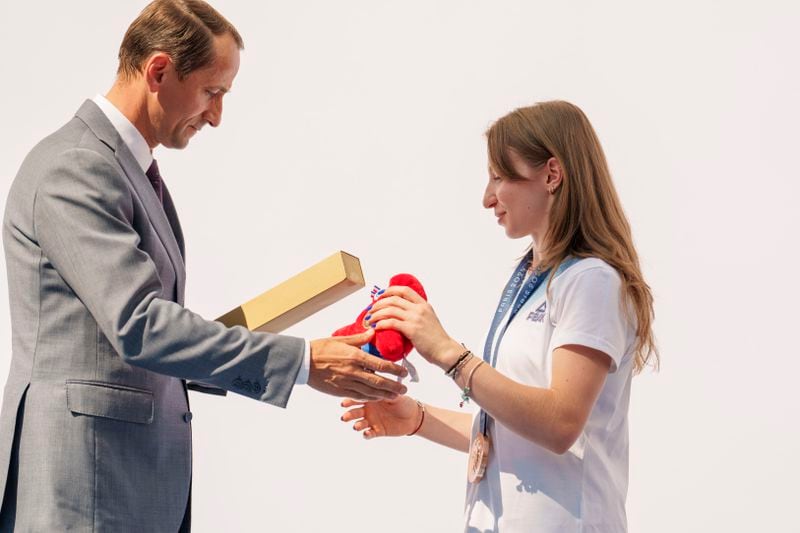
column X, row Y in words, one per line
column 549, row 447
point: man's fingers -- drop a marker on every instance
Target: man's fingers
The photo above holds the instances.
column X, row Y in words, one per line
column 358, row 389
column 376, row 364
column 357, row 340
column 380, row 383
column 359, row 395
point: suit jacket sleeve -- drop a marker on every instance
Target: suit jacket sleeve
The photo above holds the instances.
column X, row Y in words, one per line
column 83, row 223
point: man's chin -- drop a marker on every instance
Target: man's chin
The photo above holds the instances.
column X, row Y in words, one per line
column 183, row 142
column 178, row 144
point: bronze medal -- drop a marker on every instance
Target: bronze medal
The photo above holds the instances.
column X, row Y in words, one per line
column 478, row 457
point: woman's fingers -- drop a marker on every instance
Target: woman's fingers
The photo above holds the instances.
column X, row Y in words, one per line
column 388, row 312
column 391, row 301
column 353, row 414
column 359, row 414
column 393, row 323
column 407, row 293
column 361, row 425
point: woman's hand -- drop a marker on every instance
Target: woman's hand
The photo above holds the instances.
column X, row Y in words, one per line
column 386, row 418
column 403, row 310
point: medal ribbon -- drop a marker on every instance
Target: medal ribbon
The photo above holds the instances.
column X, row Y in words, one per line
column 514, row 288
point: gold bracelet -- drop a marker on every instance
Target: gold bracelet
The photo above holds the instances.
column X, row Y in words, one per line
column 466, row 390
column 421, row 420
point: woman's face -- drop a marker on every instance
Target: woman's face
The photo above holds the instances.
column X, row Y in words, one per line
column 521, row 206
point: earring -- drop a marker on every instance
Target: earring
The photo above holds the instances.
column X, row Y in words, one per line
column 551, row 189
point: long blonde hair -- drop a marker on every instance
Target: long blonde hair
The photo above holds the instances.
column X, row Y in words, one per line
column 586, row 219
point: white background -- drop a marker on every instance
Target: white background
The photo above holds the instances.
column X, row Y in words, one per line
column 358, row 126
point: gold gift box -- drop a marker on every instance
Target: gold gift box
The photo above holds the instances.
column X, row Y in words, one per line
column 300, row 296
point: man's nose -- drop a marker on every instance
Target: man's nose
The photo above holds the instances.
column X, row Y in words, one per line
column 213, row 114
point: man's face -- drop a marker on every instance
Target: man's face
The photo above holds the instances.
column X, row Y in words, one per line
column 185, row 106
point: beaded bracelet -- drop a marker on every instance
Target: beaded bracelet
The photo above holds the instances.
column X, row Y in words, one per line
column 451, row 371
column 467, row 389
column 421, row 420
column 464, row 362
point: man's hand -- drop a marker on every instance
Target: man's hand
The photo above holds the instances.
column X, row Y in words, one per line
column 339, row 367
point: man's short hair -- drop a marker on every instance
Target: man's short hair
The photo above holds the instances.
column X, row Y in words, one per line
column 183, row 29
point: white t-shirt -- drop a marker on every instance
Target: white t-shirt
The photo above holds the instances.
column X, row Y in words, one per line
column 527, row 488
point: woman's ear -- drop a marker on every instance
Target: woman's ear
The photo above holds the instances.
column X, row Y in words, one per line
column 554, row 175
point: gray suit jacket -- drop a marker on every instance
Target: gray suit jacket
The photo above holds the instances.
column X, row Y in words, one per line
column 94, row 430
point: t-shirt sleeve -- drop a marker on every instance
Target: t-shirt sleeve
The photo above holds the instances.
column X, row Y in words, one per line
column 587, row 311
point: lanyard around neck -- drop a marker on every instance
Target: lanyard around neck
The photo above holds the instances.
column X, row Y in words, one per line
column 515, row 295
column 519, row 294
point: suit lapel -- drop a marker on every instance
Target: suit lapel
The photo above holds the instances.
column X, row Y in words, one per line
column 172, row 217
column 104, row 130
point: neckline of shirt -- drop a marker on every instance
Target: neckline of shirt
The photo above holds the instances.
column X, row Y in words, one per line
column 131, row 136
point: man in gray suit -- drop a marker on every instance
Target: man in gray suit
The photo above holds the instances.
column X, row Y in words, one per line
column 94, row 431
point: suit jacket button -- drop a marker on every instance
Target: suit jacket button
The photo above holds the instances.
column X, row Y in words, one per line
column 187, row 417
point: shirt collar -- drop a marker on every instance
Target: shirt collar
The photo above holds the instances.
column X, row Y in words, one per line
column 132, row 138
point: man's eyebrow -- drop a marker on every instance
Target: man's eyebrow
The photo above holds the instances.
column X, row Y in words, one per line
column 221, row 89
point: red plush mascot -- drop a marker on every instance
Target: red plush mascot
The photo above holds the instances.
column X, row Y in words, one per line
column 387, row 343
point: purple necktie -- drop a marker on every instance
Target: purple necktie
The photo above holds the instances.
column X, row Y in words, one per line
column 155, row 180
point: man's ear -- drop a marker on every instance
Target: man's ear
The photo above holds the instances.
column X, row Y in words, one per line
column 554, row 174
column 155, row 69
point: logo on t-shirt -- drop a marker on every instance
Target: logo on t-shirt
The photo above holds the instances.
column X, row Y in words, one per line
column 538, row 315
